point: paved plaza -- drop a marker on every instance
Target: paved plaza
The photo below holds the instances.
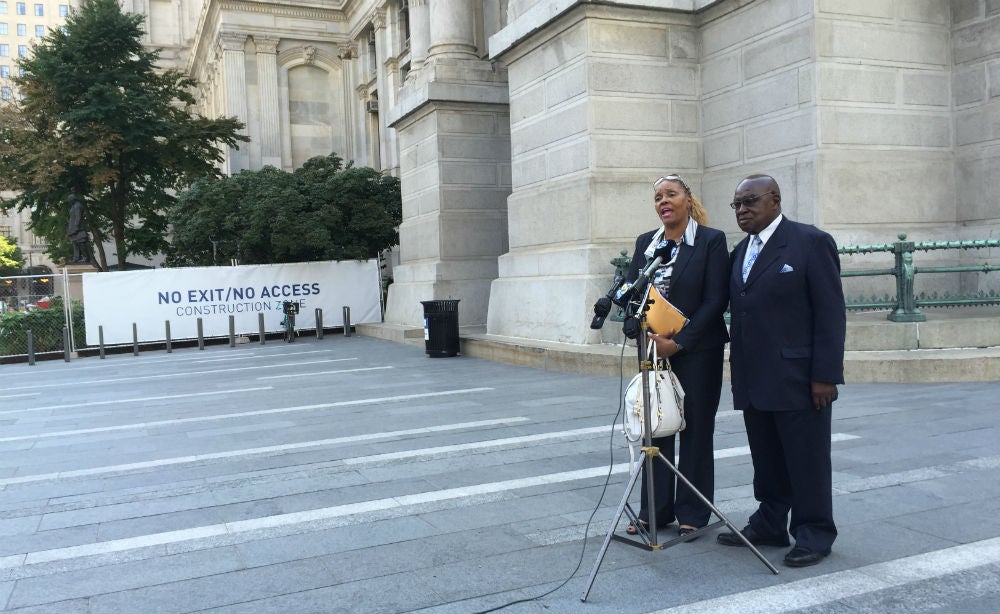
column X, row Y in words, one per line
column 352, row 474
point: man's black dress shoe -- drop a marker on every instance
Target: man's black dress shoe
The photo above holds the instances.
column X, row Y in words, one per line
column 801, row 557
column 729, row 539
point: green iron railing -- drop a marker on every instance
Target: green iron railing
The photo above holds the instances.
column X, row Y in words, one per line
column 905, row 306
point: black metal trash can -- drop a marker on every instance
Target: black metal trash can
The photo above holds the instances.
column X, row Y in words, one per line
column 441, row 327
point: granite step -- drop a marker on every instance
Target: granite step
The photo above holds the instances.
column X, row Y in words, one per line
column 955, row 345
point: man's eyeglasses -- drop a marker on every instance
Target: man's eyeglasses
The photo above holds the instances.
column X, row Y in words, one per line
column 749, row 201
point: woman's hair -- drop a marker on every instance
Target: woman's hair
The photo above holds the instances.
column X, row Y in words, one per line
column 698, row 211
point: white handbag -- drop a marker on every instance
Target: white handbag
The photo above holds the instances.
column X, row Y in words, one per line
column 666, row 396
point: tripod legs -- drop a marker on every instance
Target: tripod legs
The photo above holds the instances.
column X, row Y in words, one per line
column 720, row 515
column 623, row 507
column 636, row 472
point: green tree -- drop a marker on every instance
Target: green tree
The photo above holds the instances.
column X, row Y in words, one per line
column 361, row 207
column 11, row 259
column 322, row 211
column 100, row 120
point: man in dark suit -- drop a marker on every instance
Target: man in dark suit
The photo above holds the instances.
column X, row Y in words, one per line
column 786, row 358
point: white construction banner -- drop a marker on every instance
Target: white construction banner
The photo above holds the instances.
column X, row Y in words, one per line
column 151, row 298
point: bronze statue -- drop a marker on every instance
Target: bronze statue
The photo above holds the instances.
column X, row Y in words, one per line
column 76, row 231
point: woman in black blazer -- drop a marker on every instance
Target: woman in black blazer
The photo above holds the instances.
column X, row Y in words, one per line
column 695, row 278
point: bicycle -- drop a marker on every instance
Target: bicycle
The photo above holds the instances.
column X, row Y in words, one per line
column 288, row 323
column 290, row 308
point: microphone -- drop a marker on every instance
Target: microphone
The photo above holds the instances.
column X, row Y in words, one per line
column 661, row 255
column 666, row 251
column 648, row 271
column 623, row 295
column 631, row 326
column 603, row 305
column 601, row 310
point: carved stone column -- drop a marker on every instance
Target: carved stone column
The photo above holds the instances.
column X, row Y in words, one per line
column 231, row 48
column 452, row 34
column 353, row 109
column 452, row 124
column 267, row 88
column 367, row 143
column 208, row 91
column 215, row 69
column 383, row 80
column 420, row 33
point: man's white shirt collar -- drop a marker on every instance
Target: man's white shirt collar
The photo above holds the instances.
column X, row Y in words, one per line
column 767, row 232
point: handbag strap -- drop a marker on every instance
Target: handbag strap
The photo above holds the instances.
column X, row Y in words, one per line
column 651, row 352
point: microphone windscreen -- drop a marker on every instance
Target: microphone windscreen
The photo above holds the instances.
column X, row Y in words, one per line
column 603, row 306
column 664, row 252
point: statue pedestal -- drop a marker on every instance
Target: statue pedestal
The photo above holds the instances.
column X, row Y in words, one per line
column 74, row 279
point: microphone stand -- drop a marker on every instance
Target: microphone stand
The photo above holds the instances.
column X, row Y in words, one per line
column 649, row 453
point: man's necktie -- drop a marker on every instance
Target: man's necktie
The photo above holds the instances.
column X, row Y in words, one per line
column 752, row 252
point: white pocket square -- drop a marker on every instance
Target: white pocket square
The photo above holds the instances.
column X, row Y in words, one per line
column 786, row 269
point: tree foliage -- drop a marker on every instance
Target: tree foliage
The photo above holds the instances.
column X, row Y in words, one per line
column 99, row 120
column 322, row 211
column 11, row 259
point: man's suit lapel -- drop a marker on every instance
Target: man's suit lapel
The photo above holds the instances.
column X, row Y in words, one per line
column 773, row 250
column 739, row 253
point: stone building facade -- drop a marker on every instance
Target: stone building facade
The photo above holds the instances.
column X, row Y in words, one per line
column 527, row 133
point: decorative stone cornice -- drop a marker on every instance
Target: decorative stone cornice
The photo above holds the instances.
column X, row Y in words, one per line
column 278, row 10
column 391, row 64
column 266, row 44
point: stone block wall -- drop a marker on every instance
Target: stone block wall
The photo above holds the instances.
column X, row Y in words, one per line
column 455, row 162
column 975, row 50
column 885, row 125
column 602, row 103
column 906, row 150
column 758, row 104
column 875, row 116
column 883, row 77
column 857, row 109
